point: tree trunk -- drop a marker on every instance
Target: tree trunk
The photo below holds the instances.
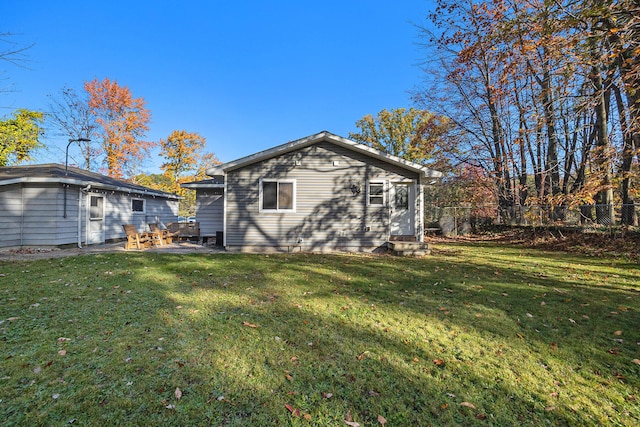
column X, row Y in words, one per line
column 628, row 207
column 604, row 198
column 551, row 162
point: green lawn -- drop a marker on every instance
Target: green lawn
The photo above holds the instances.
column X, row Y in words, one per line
column 476, row 334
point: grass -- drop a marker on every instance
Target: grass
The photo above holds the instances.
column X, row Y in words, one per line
column 477, row 334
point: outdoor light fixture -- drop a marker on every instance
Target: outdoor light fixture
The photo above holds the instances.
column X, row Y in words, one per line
column 66, row 171
column 355, row 189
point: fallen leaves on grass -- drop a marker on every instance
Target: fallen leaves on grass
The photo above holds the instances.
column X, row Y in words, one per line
column 364, row 354
column 295, row 412
column 636, row 361
column 178, row 393
column 249, row 325
column 382, row 420
column 468, row 405
column 348, row 419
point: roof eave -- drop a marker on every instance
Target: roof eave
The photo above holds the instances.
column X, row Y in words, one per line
column 194, row 185
column 318, row 137
column 85, row 183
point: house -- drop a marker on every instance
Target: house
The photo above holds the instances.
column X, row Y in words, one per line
column 48, row 205
column 319, row 193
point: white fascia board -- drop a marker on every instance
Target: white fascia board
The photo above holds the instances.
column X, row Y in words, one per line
column 84, row 183
column 322, row 136
column 193, row 185
column 266, row 154
column 388, row 158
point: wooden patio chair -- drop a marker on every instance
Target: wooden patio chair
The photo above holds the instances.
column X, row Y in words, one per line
column 134, row 239
column 166, row 235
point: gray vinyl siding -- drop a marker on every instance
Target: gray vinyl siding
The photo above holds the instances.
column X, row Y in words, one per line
column 67, row 228
column 33, row 214
column 11, row 216
column 118, row 211
column 328, row 214
column 209, row 211
column 160, row 210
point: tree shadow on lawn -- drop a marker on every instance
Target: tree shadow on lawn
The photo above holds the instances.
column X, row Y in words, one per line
column 233, row 333
column 494, row 253
column 500, row 325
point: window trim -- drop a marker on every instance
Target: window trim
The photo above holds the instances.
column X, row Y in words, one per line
column 278, row 209
column 384, row 193
column 404, row 206
column 101, row 206
column 144, row 206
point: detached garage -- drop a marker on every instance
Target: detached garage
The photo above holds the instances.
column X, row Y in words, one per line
column 48, row 205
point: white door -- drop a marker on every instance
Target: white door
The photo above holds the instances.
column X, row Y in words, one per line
column 95, row 219
column 402, row 203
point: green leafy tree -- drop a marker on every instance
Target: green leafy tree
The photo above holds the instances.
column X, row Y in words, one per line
column 412, row 134
column 157, row 181
column 20, row 136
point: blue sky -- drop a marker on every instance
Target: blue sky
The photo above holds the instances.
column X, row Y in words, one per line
column 246, row 75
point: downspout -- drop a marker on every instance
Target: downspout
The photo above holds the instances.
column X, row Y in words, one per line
column 80, row 192
column 420, row 191
column 224, row 213
column 21, row 214
column 387, row 195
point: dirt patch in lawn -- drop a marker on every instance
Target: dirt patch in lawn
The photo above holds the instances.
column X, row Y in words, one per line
column 33, row 253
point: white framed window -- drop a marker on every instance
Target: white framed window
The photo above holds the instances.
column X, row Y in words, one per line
column 401, row 196
column 138, row 205
column 277, row 195
column 96, row 207
column 375, row 193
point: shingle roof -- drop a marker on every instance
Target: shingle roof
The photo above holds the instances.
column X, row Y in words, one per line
column 54, row 172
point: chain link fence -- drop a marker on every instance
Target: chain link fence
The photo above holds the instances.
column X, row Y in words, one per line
column 461, row 220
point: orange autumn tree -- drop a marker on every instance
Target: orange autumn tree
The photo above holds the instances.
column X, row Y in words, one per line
column 181, row 152
column 185, row 162
column 124, row 121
